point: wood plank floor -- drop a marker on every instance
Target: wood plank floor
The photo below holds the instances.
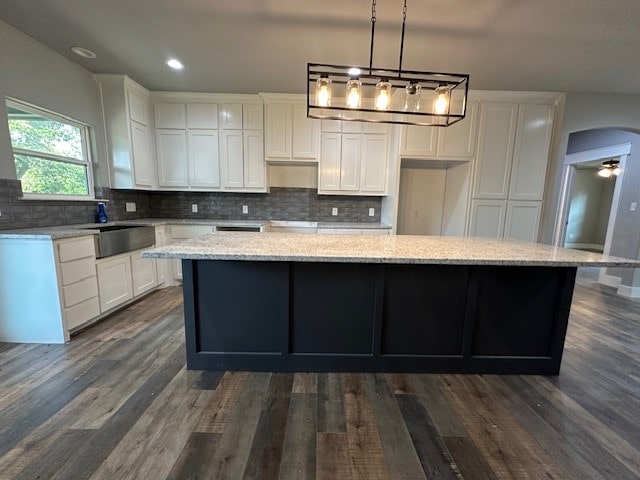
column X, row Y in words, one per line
column 117, row 403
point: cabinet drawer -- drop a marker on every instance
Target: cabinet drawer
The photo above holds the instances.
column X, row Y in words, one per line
column 189, row 231
column 77, row 270
column 82, row 312
column 79, row 292
column 74, row 249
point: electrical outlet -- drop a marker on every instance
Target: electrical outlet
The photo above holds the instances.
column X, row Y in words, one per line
column 372, row 212
column 194, row 208
column 334, row 211
column 414, row 214
column 245, row 209
column 634, row 206
column 130, row 206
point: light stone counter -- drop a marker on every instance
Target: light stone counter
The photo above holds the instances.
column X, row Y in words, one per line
column 402, row 249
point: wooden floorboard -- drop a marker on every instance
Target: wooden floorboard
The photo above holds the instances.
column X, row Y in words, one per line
column 117, row 402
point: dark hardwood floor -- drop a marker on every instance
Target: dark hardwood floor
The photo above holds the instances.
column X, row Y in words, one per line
column 117, row 402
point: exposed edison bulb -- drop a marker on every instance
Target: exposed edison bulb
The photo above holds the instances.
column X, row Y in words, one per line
column 354, row 93
column 412, row 97
column 383, row 95
column 616, row 171
column 441, row 102
column 323, row 92
column 605, row 172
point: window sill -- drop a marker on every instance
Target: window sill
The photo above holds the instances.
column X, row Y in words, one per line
column 57, row 198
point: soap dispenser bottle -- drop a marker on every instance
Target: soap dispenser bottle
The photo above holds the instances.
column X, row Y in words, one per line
column 101, row 215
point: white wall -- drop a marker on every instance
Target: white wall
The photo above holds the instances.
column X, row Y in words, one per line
column 31, row 72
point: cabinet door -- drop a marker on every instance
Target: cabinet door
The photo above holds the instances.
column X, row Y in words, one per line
column 231, row 159
column 523, row 221
column 418, row 141
column 231, row 116
column 378, row 128
column 140, row 154
column 204, row 160
column 331, row 126
column 531, row 152
column 305, row 134
column 495, row 150
column 114, row 282
column 352, row 126
column 161, row 265
column 177, row 269
column 350, row 162
column 170, row 115
column 329, row 166
column 254, row 166
column 487, row 218
column 459, row 140
column 278, row 130
column 172, row 158
column 137, row 102
column 252, row 117
column 202, row 116
column 374, row 163
column 143, row 273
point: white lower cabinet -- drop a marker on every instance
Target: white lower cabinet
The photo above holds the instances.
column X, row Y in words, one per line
column 114, row 281
column 523, row 220
column 184, row 232
column 144, row 274
column 487, row 218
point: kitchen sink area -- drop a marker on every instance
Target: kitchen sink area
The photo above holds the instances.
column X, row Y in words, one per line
column 116, row 239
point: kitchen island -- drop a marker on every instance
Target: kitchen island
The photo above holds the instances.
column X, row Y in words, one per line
column 296, row 302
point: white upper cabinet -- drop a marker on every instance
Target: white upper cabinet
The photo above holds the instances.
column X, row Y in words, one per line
column 531, row 152
column 171, row 147
column 130, row 146
column 204, row 161
column 231, row 116
column 329, row 169
column 289, row 135
column 305, row 134
column 232, row 158
column 279, row 130
column 495, row 150
column 455, row 142
column 350, row 162
column 253, row 154
column 170, row 115
column 252, row 117
column 202, row 116
column 375, row 152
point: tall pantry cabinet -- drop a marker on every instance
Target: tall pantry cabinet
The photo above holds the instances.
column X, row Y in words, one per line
column 510, row 170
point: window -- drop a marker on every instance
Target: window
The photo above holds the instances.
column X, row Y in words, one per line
column 50, row 153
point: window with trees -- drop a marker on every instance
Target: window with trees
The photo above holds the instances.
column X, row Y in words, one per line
column 50, row 153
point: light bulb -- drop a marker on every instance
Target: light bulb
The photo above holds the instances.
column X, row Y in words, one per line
column 354, row 93
column 412, row 97
column 383, row 95
column 604, row 172
column 441, row 103
column 616, row 171
column 323, row 92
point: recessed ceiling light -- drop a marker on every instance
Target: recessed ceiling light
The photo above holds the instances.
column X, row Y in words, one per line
column 175, row 64
column 83, row 52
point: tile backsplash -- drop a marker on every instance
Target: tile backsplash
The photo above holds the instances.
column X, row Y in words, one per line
column 280, row 204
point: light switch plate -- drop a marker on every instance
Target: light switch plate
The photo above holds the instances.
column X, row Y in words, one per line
column 130, row 206
column 245, row 209
column 194, row 208
column 372, row 212
column 334, row 211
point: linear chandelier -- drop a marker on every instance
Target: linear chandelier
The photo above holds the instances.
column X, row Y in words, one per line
column 381, row 95
column 609, row 168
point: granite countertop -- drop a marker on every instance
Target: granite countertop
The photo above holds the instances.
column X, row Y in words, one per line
column 405, row 249
column 81, row 229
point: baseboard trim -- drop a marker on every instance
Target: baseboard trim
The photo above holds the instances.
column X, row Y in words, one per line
column 589, row 246
column 610, row 280
column 629, row 292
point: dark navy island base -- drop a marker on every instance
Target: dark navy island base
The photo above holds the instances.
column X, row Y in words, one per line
column 358, row 317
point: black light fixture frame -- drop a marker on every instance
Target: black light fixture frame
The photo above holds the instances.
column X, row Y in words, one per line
column 456, row 83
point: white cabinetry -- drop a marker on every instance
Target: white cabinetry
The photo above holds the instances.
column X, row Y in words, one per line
column 206, row 143
column 114, row 281
column 352, row 162
column 130, row 147
column 144, row 274
column 514, row 139
column 289, row 135
column 456, row 142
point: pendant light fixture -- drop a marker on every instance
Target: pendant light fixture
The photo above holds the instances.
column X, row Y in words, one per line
column 609, row 168
column 384, row 95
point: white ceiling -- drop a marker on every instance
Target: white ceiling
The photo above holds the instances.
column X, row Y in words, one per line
column 246, row 46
